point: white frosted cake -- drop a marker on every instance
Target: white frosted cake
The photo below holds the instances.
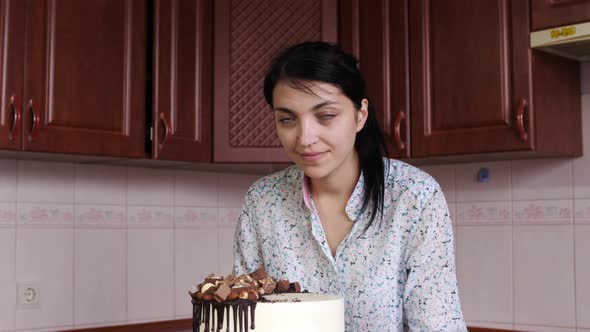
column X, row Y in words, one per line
column 261, row 303
column 289, row 312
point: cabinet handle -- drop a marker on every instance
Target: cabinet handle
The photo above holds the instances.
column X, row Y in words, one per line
column 397, row 130
column 35, row 121
column 520, row 121
column 164, row 122
column 16, row 119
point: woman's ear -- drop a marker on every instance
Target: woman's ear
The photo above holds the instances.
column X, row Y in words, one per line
column 362, row 114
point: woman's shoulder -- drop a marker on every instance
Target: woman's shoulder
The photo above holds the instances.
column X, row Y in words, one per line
column 278, row 183
column 405, row 177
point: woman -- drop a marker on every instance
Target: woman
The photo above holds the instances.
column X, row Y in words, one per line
column 345, row 220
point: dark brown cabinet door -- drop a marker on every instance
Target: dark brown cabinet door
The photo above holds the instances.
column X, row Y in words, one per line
column 182, row 80
column 247, row 34
column 11, row 72
column 85, row 77
column 469, row 74
column 552, row 13
column 376, row 32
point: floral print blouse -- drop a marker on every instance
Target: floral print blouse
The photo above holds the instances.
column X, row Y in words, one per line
column 397, row 276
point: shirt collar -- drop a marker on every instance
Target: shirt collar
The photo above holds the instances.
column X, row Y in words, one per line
column 353, row 206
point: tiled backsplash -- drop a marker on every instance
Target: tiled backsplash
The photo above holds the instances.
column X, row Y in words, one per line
column 113, row 245
column 110, row 245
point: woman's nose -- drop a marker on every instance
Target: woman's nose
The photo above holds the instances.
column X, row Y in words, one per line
column 307, row 133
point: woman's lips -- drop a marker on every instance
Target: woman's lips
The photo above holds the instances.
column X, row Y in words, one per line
column 311, row 156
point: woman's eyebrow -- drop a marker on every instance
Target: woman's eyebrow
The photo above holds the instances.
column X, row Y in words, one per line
column 314, row 108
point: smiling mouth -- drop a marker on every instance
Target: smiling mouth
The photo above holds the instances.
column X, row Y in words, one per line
column 311, row 156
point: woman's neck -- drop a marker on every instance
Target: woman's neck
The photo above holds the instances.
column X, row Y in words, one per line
column 340, row 183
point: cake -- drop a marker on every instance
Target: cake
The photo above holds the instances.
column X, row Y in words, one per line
column 260, row 303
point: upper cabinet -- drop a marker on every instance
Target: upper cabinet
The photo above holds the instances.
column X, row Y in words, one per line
column 182, row 80
column 84, row 89
column 377, row 34
column 247, row 35
column 553, row 13
column 12, row 34
column 475, row 86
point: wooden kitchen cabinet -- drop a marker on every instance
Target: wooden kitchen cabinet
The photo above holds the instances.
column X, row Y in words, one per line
column 247, row 34
column 12, row 33
column 78, row 74
column 554, row 13
column 475, row 86
column 182, row 80
column 376, row 32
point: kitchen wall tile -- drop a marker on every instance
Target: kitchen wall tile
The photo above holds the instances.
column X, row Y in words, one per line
column 483, row 213
column 541, row 328
column 582, row 330
column 445, row 176
column 45, row 182
column 228, row 217
column 582, row 211
column 226, row 250
column 233, row 188
column 150, row 186
column 100, row 216
column 453, row 212
column 582, row 164
column 99, row 276
column 485, row 273
column 544, row 258
column 7, row 282
column 45, row 215
column 543, row 212
column 45, row 256
column 7, row 180
column 97, row 184
column 196, row 256
column 195, row 217
column 195, row 188
column 542, row 179
column 150, row 274
column 582, row 253
column 7, row 214
column 150, row 217
column 468, row 189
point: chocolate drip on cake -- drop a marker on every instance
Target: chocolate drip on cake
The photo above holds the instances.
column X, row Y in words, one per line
column 213, row 315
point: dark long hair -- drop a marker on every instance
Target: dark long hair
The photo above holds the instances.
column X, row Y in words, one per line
column 309, row 62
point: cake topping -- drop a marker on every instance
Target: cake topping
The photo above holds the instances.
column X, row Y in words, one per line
column 213, row 298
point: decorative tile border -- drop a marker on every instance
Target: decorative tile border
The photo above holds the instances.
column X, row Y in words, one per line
column 7, row 214
column 228, row 217
column 552, row 212
column 483, row 213
column 100, row 216
column 582, row 208
column 45, row 215
column 149, row 217
column 194, row 217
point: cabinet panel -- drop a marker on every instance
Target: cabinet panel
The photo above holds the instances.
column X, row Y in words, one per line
column 12, row 38
column 182, row 81
column 85, row 77
column 247, row 35
column 469, row 74
column 376, row 32
column 552, row 13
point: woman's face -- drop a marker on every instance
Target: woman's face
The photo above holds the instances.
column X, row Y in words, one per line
column 317, row 128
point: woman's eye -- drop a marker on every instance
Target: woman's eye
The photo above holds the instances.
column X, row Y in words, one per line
column 285, row 120
column 327, row 116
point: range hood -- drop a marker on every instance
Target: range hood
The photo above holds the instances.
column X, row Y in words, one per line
column 572, row 41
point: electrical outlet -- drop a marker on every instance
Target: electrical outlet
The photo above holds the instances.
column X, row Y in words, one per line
column 29, row 294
